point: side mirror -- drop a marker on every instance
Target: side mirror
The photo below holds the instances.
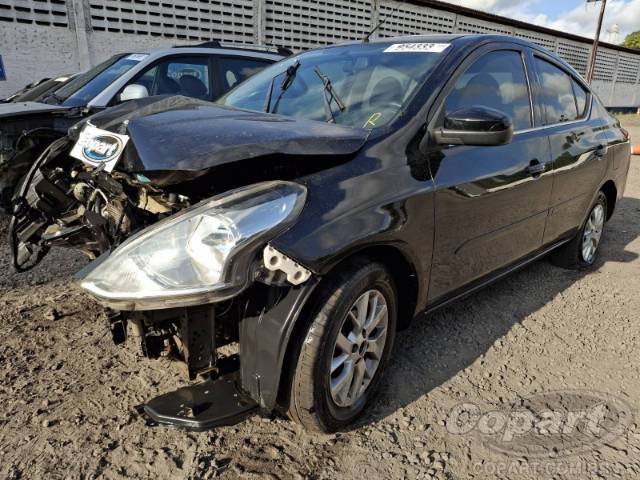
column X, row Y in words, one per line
column 133, row 92
column 475, row 126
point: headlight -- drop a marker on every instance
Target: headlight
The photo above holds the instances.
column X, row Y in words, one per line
column 199, row 255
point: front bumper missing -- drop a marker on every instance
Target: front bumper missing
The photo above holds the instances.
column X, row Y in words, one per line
column 248, row 382
column 200, row 407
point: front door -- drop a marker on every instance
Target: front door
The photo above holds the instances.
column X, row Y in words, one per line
column 491, row 202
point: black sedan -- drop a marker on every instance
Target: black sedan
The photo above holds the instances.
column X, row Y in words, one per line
column 319, row 207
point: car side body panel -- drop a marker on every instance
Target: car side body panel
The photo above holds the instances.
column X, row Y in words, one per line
column 579, row 169
column 487, row 212
column 490, row 211
column 463, row 217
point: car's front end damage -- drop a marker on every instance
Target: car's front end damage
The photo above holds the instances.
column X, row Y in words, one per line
column 179, row 229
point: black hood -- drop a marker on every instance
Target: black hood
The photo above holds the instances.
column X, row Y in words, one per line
column 17, row 109
column 184, row 134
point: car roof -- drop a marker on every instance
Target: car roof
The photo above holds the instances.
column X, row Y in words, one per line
column 435, row 38
column 217, row 48
column 468, row 39
column 446, row 38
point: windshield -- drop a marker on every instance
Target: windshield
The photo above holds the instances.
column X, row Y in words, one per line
column 86, row 86
column 40, row 91
column 368, row 83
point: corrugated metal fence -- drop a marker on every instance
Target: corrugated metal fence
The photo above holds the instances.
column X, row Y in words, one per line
column 304, row 24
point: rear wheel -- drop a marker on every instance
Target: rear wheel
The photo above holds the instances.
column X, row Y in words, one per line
column 582, row 250
column 346, row 348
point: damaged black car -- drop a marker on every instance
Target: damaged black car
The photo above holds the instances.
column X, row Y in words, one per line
column 320, row 206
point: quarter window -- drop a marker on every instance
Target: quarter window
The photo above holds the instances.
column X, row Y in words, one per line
column 557, row 93
column 497, row 80
column 581, row 98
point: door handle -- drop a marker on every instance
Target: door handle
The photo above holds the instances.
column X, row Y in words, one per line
column 536, row 168
column 601, row 151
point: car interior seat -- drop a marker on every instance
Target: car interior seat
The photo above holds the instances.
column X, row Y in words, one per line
column 193, row 87
column 167, row 86
column 387, row 91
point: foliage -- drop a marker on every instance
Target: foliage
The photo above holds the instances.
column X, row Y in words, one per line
column 632, row 41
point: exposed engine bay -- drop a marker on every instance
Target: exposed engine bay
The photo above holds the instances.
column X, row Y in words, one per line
column 91, row 207
column 69, row 204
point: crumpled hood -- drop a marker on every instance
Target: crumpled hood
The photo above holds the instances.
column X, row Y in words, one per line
column 180, row 133
column 27, row 108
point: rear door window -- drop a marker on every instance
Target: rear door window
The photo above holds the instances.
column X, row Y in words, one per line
column 497, row 80
column 557, row 93
column 237, row 70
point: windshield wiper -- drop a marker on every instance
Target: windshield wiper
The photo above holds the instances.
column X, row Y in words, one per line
column 328, row 88
column 55, row 97
column 290, row 74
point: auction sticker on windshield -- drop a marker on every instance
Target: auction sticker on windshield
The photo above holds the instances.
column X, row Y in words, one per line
column 98, row 147
column 416, row 47
column 137, row 57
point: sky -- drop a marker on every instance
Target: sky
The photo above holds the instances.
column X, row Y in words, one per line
column 572, row 16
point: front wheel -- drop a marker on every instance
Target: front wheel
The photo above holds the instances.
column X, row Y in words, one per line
column 346, row 348
column 582, row 250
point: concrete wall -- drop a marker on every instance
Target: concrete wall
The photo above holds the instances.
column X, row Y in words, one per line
column 31, row 52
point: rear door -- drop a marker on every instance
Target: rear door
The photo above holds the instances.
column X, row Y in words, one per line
column 491, row 202
column 578, row 139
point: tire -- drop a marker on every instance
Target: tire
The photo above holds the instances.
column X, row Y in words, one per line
column 571, row 254
column 312, row 401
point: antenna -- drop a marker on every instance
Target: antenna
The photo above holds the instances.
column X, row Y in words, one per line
column 594, row 49
column 378, row 25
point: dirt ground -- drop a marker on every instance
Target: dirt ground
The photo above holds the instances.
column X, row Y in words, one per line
column 67, row 393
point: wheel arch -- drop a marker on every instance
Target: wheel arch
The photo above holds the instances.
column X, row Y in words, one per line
column 611, row 192
column 406, row 281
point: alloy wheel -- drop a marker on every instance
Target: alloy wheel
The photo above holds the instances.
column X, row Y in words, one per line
column 592, row 233
column 358, row 348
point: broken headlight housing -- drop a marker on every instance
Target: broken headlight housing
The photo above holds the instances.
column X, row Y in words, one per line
column 199, row 255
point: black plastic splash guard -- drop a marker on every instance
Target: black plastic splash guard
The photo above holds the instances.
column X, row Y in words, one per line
column 202, row 406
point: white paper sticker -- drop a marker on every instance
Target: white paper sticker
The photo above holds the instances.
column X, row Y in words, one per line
column 417, row 47
column 137, row 57
column 98, row 147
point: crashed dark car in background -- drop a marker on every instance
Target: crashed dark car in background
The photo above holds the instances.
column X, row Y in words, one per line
column 36, row 91
column 320, row 206
column 28, row 125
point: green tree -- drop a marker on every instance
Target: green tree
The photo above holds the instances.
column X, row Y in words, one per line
column 632, row 41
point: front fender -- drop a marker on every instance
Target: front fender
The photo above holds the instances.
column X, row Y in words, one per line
column 265, row 333
column 344, row 216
